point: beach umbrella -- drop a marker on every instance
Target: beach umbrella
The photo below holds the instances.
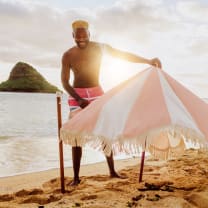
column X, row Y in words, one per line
column 150, row 111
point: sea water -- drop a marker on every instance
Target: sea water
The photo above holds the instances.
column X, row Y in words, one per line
column 29, row 134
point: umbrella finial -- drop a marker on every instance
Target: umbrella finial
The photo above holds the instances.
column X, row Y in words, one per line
column 59, row 93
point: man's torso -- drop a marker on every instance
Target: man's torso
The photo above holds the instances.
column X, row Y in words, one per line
column 85, row 64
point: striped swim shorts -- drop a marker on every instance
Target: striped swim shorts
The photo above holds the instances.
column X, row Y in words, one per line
column 89, row 94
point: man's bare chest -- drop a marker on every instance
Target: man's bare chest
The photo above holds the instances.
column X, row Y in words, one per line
column 85, row 60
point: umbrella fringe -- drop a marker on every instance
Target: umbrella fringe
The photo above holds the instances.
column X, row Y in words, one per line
column 136, row 144
column 167, row 153
column 99, row 143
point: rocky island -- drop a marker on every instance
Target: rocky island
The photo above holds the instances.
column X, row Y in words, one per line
column 24, row 78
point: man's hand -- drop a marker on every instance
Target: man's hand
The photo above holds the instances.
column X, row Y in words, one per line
column 83, row 103
column 155, row 62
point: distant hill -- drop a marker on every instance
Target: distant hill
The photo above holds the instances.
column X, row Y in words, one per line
column 24, row 78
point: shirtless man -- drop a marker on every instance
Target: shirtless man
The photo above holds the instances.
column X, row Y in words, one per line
column 84, row 60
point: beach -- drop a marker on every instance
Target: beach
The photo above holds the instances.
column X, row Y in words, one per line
column 179, row 182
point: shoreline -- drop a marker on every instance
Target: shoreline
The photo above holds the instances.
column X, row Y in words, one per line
column 69, row 166
column 44, row 175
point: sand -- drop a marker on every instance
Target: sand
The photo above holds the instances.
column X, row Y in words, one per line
column 181, row 182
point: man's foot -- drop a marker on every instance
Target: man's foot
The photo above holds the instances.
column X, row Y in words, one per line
column 116, row 175
column 75, row 182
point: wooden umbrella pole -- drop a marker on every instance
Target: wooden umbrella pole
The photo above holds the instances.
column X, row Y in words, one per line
column 61, row 156
column 142, row 163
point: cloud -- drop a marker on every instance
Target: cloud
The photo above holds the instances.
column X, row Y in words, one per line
column 13, row 8
column 39, row 33
column 194, row 10
column 134, row 20
column 31, row 31
column 189, row 75
column 199, row 46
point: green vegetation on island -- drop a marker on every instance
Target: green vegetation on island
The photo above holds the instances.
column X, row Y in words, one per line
column 24, row 78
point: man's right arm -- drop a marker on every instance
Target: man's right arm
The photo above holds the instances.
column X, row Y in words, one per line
column 131, row 57
column 65, row 76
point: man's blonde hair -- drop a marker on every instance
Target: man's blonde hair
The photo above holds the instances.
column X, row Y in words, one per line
column 79, row 24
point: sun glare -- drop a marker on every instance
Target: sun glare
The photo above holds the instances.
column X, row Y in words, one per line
column 115, row 71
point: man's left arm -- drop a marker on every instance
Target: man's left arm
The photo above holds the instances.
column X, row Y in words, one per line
column 131, row 57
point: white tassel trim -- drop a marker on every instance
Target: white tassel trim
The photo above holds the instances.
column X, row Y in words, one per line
column 134, row 145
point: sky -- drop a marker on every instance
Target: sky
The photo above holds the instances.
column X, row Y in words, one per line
column 39, row 32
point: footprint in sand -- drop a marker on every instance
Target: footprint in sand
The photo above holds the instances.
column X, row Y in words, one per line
column 98, row 178
column 117, row 186
column 52, row 183
column 6, row 197
column 198, row 199
column 24, row 192
column 89, row 197
column 39, row 199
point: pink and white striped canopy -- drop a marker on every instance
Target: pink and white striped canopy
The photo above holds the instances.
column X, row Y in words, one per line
column 151, row 106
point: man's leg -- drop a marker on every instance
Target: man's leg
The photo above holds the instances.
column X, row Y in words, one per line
column 112, row 171
column 76, row 158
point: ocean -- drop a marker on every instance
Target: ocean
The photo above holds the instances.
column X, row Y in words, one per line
column 29, row 134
